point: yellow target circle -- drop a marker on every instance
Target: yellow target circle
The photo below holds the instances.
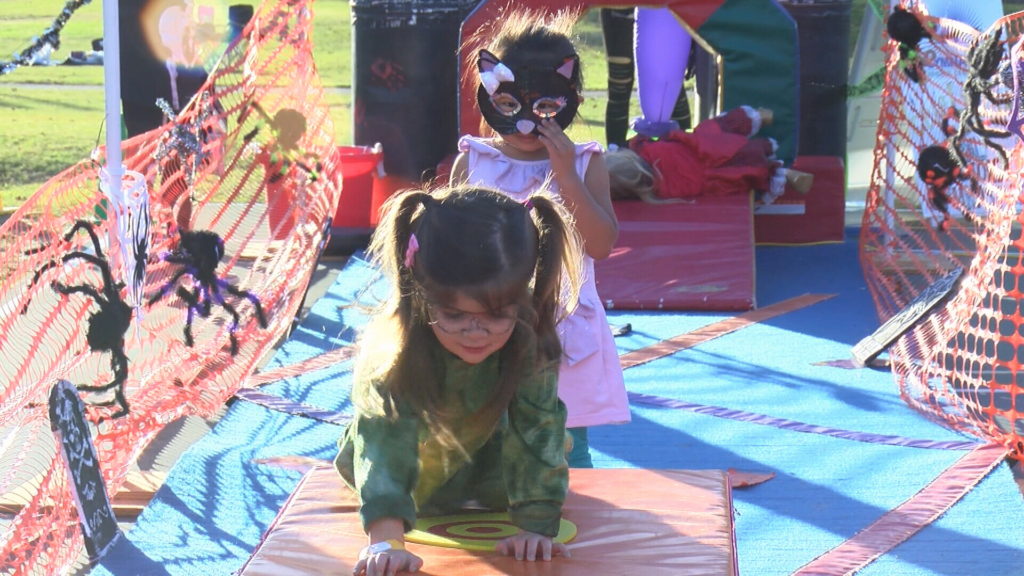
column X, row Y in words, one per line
column 479, row 532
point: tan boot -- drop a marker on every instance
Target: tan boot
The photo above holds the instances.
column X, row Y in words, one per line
column 799, row 181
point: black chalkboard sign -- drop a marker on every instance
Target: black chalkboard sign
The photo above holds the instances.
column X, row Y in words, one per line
column 67, row 420
column 870, row 347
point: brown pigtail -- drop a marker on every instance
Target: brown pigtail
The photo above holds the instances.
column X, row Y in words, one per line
column 391, row 238
column 558, row 275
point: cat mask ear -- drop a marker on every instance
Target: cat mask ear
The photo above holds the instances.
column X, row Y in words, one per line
column 568, row 67
column 492, row 72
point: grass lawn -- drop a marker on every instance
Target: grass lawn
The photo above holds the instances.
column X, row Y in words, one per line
column 58, row 110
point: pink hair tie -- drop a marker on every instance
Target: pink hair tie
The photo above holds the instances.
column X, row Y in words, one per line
column 411, row 250
column 528, row 204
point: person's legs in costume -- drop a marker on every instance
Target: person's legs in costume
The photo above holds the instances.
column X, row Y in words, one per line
column 579, row 457
column 617, row 28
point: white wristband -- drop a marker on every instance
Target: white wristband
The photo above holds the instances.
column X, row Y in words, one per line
column 381, row 547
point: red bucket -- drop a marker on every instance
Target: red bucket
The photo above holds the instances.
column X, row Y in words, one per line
column 359, row 165
column 384, row 188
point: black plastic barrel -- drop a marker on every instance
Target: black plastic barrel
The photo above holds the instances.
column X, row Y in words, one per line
column 238, row 16
column 144, row 75
column 405, row 81
column 823, row 29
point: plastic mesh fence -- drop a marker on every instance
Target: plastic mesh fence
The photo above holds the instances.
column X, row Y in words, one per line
column 962, row 363
column 262, row 179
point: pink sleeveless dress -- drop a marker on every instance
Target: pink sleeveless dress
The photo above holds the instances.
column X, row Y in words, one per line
column 590, row 378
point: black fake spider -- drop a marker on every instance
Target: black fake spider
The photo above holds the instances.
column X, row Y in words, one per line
column 106, row 326
column 199, row 252
column 938, row 169
column 904, row 27
column 983, row 58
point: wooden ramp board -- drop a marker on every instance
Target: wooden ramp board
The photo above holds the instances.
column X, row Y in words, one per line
column 629, row 521
column 874, row 344
column 687, row 256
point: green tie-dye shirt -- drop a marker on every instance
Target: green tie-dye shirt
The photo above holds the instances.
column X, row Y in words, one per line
column 398, row 469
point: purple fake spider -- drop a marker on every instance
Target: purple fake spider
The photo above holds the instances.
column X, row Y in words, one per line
column 199, row 253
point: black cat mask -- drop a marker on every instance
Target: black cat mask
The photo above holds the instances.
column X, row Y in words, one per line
column 515, row 101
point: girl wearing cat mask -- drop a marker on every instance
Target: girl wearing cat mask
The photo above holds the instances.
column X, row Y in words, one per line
column 530, row 87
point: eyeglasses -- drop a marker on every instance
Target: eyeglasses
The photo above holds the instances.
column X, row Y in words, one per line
column 455, row 321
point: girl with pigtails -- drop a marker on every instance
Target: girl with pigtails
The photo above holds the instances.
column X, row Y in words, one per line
column 456, row 382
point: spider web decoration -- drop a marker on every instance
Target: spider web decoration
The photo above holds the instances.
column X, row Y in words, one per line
column 962, row 364
column 1015, row 66
column 185, row 139
column 985, row 57
column 131, row 210
column 270, row 62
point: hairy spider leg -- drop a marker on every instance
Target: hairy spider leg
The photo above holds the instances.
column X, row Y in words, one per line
column 167, row 285
column 35, row 278
column 234, row 314
column 91, row 258
column 197, row 304
column 99, row 261
column 235, row 319
column 250, row 297
column 85, row 225
column 969, row 119
column 200, row 302
column 208, row 297
column 983, row 57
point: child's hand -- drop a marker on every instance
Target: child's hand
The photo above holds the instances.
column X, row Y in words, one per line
column 561, row 150
column 387, row 563
column 525, row 545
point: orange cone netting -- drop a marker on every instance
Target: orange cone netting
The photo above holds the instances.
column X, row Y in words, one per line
column 252, row 159
column 961, row 364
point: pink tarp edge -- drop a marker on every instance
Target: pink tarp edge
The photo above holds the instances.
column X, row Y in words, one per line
column 902, row 522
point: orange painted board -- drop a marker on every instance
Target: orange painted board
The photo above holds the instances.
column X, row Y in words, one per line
column 630, row 521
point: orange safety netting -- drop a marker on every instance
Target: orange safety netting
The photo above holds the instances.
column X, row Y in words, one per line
column 963, row 363
column 246, row 163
